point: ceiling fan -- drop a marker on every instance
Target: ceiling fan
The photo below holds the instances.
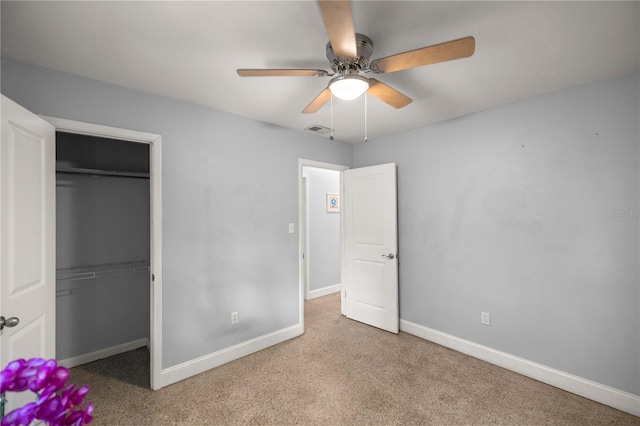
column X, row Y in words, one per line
column 349, row 52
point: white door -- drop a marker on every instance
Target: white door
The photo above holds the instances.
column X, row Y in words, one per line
column 370, row 262
column 27, row 238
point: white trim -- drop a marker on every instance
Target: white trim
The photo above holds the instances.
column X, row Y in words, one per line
column 82, row 128
column 603, row 394
column 343, row 293
column 155, row 322
column 74, row 361
column 155, row 182
column 319, row 292
column 304, row 236
column 199, row 365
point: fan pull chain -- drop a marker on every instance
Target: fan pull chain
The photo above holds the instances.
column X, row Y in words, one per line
column 331, row 137
column 365, row 117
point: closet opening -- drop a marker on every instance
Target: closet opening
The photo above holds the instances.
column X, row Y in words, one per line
column 103, row 247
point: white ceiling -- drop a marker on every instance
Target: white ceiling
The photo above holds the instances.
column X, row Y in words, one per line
column 190, row 51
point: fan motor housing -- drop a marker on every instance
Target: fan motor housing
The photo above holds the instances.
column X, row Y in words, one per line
column 365, row 49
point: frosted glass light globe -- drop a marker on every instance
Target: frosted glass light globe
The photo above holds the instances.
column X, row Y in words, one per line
column 348, row 87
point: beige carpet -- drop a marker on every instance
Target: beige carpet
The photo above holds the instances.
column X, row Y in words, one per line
column 340, row 372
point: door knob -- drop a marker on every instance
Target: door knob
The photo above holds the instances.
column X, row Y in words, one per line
column 389, row 256
column 9, row 322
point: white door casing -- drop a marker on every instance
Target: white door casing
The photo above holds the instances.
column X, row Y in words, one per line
column 155, row 152
column 304, row 234
column 27, row 238
column 370, row 266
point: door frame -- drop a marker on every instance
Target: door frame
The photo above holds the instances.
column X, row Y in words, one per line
column 302, row 231
column 155, row 182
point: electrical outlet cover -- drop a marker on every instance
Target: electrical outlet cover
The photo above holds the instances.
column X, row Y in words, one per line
column 485, row 318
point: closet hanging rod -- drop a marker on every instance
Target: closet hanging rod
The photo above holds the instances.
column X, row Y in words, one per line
column 108, row 173
column 101, row 270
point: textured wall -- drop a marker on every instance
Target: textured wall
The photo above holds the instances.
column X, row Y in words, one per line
column 229, row 191
column 528, row 212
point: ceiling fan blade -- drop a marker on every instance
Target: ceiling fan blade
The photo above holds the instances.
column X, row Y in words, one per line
column 387, row 94
column 455, row 49
column 339, row 24
column 317, row 103
column 267, row 72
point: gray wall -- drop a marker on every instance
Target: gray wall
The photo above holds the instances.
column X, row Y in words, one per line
column 229, row 191
column 528, row 212
column 324, row 228
column 101, row 220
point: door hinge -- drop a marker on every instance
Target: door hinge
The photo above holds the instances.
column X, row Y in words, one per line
column 345, row 294
column 153, row 278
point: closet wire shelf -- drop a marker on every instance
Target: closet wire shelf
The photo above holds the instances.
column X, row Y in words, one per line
column 99, row 271
column 107, row 173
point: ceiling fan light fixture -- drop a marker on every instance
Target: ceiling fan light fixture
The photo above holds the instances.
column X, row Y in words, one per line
column 348, row 87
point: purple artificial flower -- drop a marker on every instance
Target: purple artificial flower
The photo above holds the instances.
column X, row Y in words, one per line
column 75, row 396
column 79, row 418
column 21, row 416
column 50, row 408
column 46, row 379
column 44, row 375
column 9, row 373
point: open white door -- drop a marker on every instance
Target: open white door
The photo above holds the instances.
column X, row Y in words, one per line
column 370, row 275
column 27, row 238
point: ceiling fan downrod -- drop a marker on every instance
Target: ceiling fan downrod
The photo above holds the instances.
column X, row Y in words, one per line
column 360, row 64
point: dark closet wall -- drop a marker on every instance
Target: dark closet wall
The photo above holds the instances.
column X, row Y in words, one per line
column 102, row 244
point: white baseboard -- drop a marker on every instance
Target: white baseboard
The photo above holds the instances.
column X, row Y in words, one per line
column 603, row 394
column 324, row 291
column 103, row 353
column 199, row 365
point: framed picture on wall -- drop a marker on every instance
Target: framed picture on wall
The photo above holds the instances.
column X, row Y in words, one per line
column 333, row 203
